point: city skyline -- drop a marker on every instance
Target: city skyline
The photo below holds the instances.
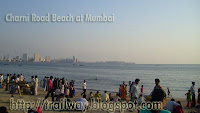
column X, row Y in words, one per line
column 37, row 58
column 145, row 32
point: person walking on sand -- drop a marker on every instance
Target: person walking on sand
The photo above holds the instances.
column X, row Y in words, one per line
column 193, row 94
column 36, row 85
column 50, row 88
column 135, row 90
column 84, row 88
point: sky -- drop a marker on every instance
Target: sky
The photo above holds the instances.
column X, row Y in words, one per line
column 144, row 31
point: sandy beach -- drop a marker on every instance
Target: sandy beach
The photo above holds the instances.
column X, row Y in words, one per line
column 5, row 100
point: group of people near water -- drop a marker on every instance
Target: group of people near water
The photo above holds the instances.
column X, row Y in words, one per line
column 58, row 88
column 12, row 83
column 61, row 88
column 191, row 98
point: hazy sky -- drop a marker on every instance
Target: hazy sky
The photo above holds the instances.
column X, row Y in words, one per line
column 144, row 31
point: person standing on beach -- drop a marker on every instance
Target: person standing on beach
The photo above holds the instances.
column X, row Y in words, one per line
column 32, row 80
column 158, row 94
column 193, row 94
column 84, row 88
column 168, row 91
column 135, row 90
column 17, row 86
column 36, row 85
column 123, row 91
column 50, row 88
column 21, row 77
column 130, row 90
column 188, row 98
column 7, row 82
column 198, row 99
column 44, row 83
column 1, row 79
column 142, row 89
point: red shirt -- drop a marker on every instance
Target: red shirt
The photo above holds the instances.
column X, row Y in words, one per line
column 50, row 85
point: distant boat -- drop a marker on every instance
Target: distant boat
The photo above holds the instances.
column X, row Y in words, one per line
column 80, row 65
column 19, row 64
column 6, row 64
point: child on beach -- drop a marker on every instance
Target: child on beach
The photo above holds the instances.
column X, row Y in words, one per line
column 67, row 92
column 142, row 89
column 141, row 99
column 188, row 98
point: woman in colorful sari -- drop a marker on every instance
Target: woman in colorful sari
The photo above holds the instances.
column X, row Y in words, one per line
column 123, row 91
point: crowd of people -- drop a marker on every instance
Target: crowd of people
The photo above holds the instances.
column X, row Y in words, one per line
column 58, row 88
column 61, row 88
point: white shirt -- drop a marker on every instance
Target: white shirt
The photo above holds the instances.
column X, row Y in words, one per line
column 36, row 81
column 192, row 89
column 170, row 105
column 1, row 78
column 62, row 89
column 84, row 85
column 135, row 90
column 17, row 80
column 21, row 77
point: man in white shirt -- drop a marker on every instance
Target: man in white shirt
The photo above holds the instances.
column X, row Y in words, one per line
column 171, row 105
column 135, row 90
column 193, row 94
column 21, row 77
column 36, row 85
column 84, row 88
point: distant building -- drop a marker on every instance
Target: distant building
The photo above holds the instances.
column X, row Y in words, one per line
column 17, row 58
column 8, row 58
column 75, row 60
column 41, row 59
column 36, row 57
column 47, row 59
column 1, row 59
column 25, row 57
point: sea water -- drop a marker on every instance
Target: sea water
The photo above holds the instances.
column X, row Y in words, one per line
column 106, row 76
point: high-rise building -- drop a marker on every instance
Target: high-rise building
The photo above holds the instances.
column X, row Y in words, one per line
column 74, row 59
column 47, row 59
column 25, row 57
column 36, row 57
column 41, row 59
